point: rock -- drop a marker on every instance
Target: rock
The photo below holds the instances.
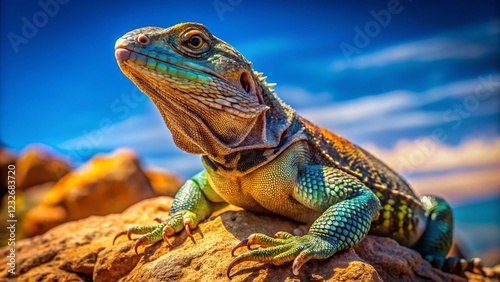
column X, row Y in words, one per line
column 395, row 263
column 104, row 185
column 83, row 251
column 36, row 165
column 164, row 183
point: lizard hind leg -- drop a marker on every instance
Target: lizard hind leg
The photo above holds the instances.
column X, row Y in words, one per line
column 438, row 237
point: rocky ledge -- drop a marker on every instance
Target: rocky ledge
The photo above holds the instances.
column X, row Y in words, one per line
column 83, row 251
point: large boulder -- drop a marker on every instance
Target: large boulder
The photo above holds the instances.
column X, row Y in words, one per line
column 106, row 184
column 164, row 183
column 83, row 251
column 38, row 164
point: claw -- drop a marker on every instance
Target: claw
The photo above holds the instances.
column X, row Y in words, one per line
column 157, row 219
column 167, row 241
column 299, row 262
column 237, row 260
column 119, row 235
column 139, row 242
column 241, row 244
column 188, row 230
column 167, row 231
column 165, row 234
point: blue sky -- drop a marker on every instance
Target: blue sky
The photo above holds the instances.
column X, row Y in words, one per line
column 416, row 82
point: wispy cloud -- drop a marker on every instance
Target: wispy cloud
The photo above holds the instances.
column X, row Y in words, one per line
column 393, row 121
column 471, row 43
column 460, row 186
column 460, row 172
column 146, row 134
column 300, row 97
column 360, row 109
column 429, row 155
column 402, row 109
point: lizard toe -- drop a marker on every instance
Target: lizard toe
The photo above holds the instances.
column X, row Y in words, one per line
column 277, row 251
column 135, row 230
column 259, row 240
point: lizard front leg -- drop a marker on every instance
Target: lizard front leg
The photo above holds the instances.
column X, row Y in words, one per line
column 191, row 205
column 348, row 208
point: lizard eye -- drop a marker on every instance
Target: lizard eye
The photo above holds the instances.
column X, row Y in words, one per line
column 195, row 41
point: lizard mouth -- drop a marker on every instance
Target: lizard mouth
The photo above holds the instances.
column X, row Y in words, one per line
column 166, row 66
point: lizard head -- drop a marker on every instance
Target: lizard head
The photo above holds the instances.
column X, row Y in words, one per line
column 210, row 98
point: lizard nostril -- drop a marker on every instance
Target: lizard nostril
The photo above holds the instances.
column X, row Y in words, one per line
column 142, row 39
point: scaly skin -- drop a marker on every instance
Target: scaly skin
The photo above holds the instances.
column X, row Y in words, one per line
column 260, row 155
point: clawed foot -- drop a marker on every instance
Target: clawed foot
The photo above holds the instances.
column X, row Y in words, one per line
column 154, row 233
column 282, row 248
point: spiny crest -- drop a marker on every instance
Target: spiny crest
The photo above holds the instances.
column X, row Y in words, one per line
column 273, row 98
column 262, row 79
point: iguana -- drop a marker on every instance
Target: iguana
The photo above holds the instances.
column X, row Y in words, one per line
column 259, row 154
